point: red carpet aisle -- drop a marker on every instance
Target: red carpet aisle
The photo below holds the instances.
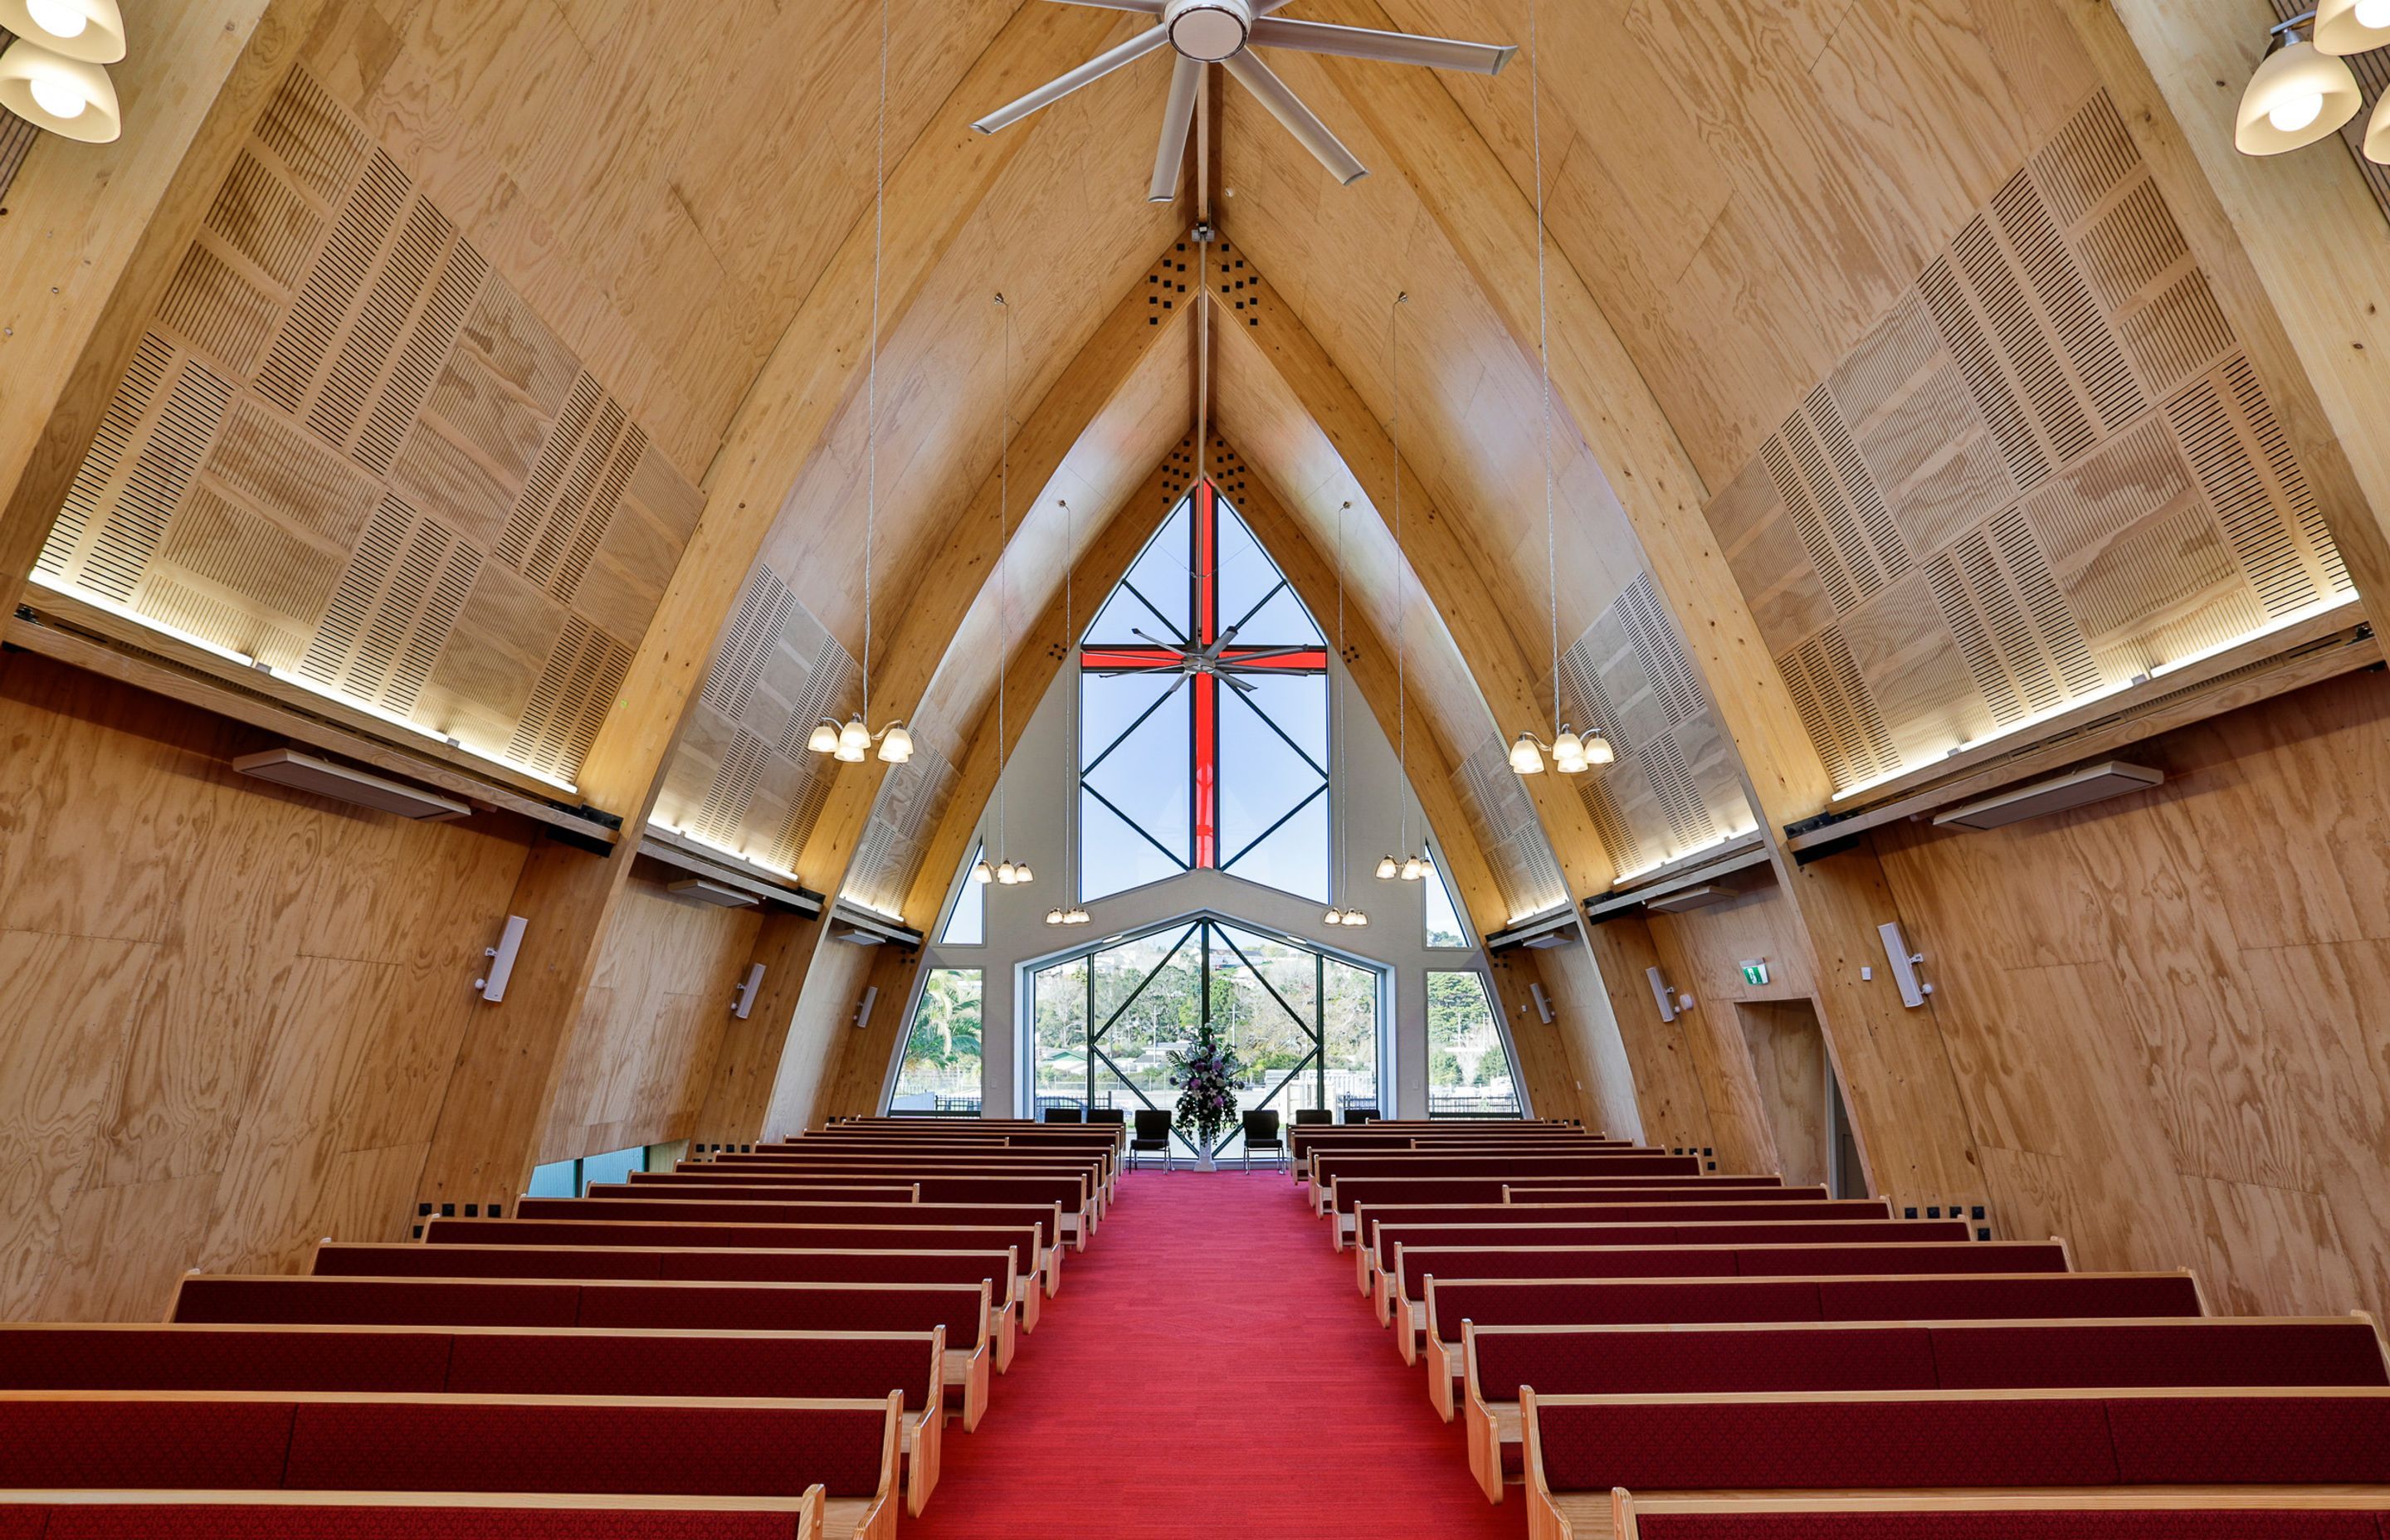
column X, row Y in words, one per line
column 1209, row 1371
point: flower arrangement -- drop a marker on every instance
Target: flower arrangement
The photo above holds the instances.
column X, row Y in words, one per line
column 1205, row 1073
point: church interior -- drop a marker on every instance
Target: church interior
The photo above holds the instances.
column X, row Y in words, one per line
column 696, row 698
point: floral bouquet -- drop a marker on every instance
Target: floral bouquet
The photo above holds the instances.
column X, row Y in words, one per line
column 1205, row 1076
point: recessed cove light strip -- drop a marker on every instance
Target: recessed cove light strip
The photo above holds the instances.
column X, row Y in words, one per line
column 2157, row 671
column 364, row 708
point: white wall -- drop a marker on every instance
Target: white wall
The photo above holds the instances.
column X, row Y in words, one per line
column 1036, row 785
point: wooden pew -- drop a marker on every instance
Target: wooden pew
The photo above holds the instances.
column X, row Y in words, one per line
column 1341, row 1198
column 1024, row 1239
column 85, row 1514
column 795, row 1206
column 1328, row 1168
column 872, row 1163
column 340, row 1442
column 1394, row 1283
column 1373, row 1250
column 1076, row 1196
column 276, row 1299
column 1890, row 1355
column 2270, row 1513
column 1453, row 1303
column 1579, row 1448
column 1416, row 1266
column 1102, row 1159
column 681, row 1366
column 979, row 1324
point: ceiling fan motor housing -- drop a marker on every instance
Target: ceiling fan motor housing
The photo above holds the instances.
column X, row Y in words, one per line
column 1208, row 29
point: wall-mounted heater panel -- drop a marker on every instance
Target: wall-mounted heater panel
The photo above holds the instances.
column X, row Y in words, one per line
column 1691, row 898
column 307, row 773
column 2092, row 783
column 716, row 893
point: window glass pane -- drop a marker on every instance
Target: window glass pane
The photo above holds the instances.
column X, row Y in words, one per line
column 1137, row 808
column 1157, row 596
column 556, row 1179
column 1058, row 1012
column 1468, row 1068
column 1262, row 775
column 1294, row 858
column 1280, row 621
column 1444, row 924
column 615, row 1165
column 1350, row 1041
column 940, row 1069
column 1114, row 857
column 966, row 926
column 1252, row 590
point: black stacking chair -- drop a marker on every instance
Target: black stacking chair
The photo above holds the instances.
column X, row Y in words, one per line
column 1307, row 1115
column 1151, row 1136
column 1062, row 1114
column 1261, row 1132
column 1107, row 1114
column 1360, row 1114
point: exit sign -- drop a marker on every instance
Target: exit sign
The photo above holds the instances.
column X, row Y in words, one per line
column 1755, row 972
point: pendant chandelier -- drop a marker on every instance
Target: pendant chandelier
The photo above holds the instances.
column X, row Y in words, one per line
column 1073, row 914
column 1413, row 865
column 54, row 73
column 1336, row 866
column 1573, row 753
column 1007, row 872
column 2303, row 90
column 850, row 742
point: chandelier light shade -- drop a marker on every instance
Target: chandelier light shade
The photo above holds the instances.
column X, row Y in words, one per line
column 1055, row 916
column 1598, row 752
column 2299, row 94
column 825, row 737
column 1356, row 917
column 983, row 873
column 1333, row 917
column 895, row 744
column 1527, row 756
column 2377, row 133
column 1021, row 872
column 70, row 98
column 88, row 31
column 1415, row 868
column 1386, row 869
column 2352, row 26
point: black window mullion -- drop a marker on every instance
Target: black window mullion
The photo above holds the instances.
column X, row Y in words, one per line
column 1163, row 699
column 1138, row 828
column 1264, row 718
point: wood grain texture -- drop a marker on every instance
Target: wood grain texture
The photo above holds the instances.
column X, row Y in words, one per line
column 233, row 1008
column 641, row 1058
column 2164, row 1012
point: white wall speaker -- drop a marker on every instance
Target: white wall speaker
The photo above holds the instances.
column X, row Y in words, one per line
column 307, row 773
column 1913, row 990
column 745, row 999
column 1660, row 993
column 863, row 1010
column 1543, row 1003
column 492, row 985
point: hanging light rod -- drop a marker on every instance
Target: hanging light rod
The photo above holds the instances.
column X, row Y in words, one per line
column 2303, row 91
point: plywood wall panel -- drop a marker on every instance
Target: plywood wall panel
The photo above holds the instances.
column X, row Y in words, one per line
column 2164, row 1014
column 642, row 1053
column 246, row 1001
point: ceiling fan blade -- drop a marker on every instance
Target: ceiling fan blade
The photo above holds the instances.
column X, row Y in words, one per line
column 1144, row 7
column 1238, row 685
column 1059, row 86
column 1443, row 52
column 1178, row 118
column 1299, row 121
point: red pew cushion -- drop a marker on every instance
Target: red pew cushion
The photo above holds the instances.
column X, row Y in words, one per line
column 164, row 1358
column 2043, row 1524
column 848, row 1368
column 2317, row 1353
column 1695, row 1363
column 1622, row 1302
column 731, row 1307
column 1958, row 1297
column 2267, row 1439
column 374, row 1302
column 746, row 1452
column 1849, row 1444
column 488, row 1262
column 224, row 1522
column 143, row 1444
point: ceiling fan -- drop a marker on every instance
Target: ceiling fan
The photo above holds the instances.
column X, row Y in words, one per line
column 1226, row 32
column 1188, row 661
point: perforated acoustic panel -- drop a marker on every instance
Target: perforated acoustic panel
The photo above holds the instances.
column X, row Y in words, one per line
column 1673, row 787
column 911, row 801
column 2048, row 469
column 742, row 776
column 347, row 449
column 1503, row 818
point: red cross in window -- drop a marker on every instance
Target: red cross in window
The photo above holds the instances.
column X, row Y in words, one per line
column 1206, row 659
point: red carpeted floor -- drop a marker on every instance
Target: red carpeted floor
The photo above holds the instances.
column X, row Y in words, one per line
column 1210, row 1370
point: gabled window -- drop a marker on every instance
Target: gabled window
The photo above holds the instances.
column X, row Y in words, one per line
column 967, row 922
column 1203, row 721
column 1445, row 926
